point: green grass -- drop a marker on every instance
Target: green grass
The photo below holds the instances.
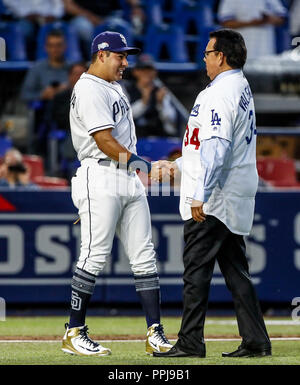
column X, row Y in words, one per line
column 50, row 326
column 131, row 353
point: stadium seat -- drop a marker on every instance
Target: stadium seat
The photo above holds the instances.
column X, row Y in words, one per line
column 283, row 37
column 160, row 11
column 73, row 52
column 5, row 144
column 199, row 12
column 169, row 37
column 14, row 40
column 196, row 20
column 35, row 164
column 278, row 172
column 155, row 148
column 50, row 182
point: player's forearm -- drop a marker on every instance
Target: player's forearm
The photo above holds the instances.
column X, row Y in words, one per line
column 116, row 151
column 241, row 24
column 74, row 9
column 111, row 147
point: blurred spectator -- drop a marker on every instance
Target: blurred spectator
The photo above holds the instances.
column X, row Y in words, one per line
column 256, row 21
column 60, row 110
column 137, row 16
column 31, row 14
column 14, row 173
column 153, row 111
column 295, row 18
column 46, row 78
column 87, row 14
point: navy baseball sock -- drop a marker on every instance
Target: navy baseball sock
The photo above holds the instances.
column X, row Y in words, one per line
column 148, row 290
column 83, row 284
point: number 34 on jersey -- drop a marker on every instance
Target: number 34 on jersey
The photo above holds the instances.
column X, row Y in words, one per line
column 193, row 140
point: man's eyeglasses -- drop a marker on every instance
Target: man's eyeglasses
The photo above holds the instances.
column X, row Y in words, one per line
column 205, row 53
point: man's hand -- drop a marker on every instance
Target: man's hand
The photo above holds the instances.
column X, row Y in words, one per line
column 274, row 20
column 158, row 170
column 197, row 211
column 164, row 170
column 49, row 92
column 160, row 94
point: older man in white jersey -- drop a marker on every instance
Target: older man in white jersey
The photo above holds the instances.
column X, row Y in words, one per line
column 108, row 193
column 218, row 186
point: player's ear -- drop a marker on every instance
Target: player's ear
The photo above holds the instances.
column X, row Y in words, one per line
column 101, row 56
column 222, row 58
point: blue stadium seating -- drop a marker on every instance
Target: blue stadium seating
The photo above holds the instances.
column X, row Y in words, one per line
column 15, row 42
column 199, row 15
column 5, row 144
column 169, row 37
column 199, row 12
column 283, row 37
column 155, row 148
column 157, row 12
column 73, row 52
column 2, row 8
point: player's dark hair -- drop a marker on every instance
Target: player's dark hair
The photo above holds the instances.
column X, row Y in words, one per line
column 56, row 33
column 232, row 44
column 94, row 56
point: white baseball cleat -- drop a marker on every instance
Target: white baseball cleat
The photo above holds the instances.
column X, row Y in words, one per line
column 76, row 341
column 156, row 340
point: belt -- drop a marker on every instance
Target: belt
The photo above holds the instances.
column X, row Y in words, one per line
column 107, row 162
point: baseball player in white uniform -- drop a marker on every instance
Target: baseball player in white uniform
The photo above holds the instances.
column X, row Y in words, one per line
column 218, row 186
column 108, row 193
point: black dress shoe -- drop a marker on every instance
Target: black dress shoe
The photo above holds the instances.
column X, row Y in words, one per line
column 245, row 352
column 176, row 352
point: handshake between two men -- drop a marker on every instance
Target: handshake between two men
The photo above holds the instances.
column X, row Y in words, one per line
column 166, row 171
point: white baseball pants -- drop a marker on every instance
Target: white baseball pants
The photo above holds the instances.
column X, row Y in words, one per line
column 110, row 201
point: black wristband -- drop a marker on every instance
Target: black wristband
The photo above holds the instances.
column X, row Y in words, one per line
column 137, row 163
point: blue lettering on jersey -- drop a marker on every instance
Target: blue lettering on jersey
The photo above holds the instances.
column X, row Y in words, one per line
column 215, row 120
column 252, row 128
column 122, row 106
column 245, row 98
column 125, row 103
column 195, row 110
column 116, row 110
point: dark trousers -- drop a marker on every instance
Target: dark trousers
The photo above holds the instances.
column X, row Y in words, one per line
column 205, row 243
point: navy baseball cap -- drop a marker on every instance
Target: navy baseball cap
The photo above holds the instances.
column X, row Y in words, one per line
column 112, row 41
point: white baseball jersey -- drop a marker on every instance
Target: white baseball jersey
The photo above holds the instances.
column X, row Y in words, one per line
column 225, row 109
column 97, row 105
